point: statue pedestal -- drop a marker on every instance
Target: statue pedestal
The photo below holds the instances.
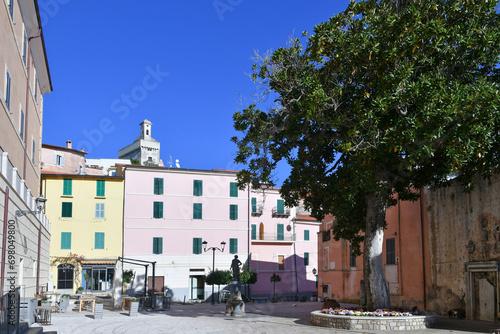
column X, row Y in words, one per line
column 235, row 306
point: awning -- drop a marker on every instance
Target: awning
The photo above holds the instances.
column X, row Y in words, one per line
column 98, row 262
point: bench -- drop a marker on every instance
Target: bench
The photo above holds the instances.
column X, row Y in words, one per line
column 259, row 299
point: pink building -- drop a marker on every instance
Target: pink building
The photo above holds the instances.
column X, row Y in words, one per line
column 168, row 214
column 284, row 242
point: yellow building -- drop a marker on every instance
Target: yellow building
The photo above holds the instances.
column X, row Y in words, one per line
column 87, row 224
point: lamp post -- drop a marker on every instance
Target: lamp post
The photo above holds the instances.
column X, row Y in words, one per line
column 205, row 249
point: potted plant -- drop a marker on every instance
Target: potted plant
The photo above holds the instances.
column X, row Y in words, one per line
column 79, row 290
column 134, row 308
column 98, row 309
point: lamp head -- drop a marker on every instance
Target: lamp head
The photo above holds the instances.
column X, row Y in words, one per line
column 223, row 244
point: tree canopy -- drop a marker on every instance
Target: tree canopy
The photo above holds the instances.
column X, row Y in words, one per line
column 384, row 98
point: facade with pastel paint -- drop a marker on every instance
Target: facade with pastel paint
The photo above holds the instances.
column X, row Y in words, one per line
column 169, row 213
column 87, row 215
column 24, row 79
column 283, row 242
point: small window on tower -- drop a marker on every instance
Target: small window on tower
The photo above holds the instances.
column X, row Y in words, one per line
column 147, row 132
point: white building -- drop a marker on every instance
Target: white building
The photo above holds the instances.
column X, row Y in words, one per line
column 144, row 148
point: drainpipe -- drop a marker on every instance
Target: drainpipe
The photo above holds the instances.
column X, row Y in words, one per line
column 422, row 211
column 4, row 239
column 28, row 67
column 38, row 259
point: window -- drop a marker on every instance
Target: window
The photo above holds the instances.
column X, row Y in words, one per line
column 197, row 245
column 306, row 235
column 21, row 124
column 281, row 262
column 197, row 211
column 7, row 90
column 197, row 188
column 326, row 258
column 67, row 210
column 158, row 210
column 233, row 212
column 33, row 152
column 65, row 240
column 306, row 258
column 157, row 245
column 233, row 189
column 25, row 46
column 67, row 187
column 58, row 160
column 352, row 257
column 158, row 186
column 65, row 276
column 100, row 188
column 281, row 232
column 99, row 210
column 390, row 246
column 254, row 232
column 233, row 246
column 254, row 205
column 281, row 207
column 99, row 240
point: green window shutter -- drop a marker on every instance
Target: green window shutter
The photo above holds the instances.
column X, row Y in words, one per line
column 233, row 189
column 306, row 259
column 281, row 232
column 233, row 212
column 306, row 235
column 254, row 232
column 158, row 186
column 157, row 245
column 197, row 188
column 100, row 189
column 254, row 205
column 196, row 245
column 197, row 211
column 67, row 187
column 99, row 210
column 233, row 246
column 157, row 209
column 65, row 240
column 99, row 240
column 67, row 210
column 281, row 207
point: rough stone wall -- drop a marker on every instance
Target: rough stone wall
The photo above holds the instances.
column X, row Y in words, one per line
column 463, row 227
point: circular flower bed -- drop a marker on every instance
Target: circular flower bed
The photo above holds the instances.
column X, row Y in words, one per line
column 362, row 313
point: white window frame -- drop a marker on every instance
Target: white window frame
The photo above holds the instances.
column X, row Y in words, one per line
column 100, row 211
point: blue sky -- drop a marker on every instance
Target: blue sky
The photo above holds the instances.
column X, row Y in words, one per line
column 179, row 64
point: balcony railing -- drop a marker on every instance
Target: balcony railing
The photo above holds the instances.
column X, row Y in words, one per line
column 258, row 211
column 285, row 212
column 286, row 237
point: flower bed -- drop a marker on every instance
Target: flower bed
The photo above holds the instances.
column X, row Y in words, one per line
column 378, row 320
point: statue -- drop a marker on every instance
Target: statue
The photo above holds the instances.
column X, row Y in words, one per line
column 235, row 268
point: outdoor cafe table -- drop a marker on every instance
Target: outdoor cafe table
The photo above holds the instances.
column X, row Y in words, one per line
column 45, row 313
column 87, row 299
column 126, row 300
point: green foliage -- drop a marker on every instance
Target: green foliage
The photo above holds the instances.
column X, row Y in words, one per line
column 127, row 275
column 219, row 276
column 248, row 277
column 384, row 98
column 135, row 161
column 275, row 278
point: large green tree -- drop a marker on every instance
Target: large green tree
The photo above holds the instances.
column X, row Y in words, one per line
column 384, row 98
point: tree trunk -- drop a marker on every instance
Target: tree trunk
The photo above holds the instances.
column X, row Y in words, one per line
column 377, row 296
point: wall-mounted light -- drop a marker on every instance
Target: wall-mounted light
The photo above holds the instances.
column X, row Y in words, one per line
column 40, row 204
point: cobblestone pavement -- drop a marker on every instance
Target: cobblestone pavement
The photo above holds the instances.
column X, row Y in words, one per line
column 286, row 317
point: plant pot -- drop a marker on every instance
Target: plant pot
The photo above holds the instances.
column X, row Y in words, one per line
column 134, row 309
column 98, row 310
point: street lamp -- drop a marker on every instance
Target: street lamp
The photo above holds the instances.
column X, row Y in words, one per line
column 222, row 245
column 40, row 204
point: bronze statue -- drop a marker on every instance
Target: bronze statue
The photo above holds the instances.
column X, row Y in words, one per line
column 235, row 268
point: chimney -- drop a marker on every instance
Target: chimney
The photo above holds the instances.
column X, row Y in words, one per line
column 68, row 144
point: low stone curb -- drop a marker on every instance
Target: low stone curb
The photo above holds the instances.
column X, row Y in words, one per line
column 373, row 323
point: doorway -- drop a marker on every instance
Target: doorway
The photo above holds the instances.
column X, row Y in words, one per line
column 197, row 286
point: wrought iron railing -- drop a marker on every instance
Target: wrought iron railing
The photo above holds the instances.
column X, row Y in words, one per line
column 281, row 212
column 9, row 312
column 275, row 237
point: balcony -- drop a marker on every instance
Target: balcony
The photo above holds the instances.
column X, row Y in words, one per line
column 274, row 237
column 258, row 211
column 281, row 212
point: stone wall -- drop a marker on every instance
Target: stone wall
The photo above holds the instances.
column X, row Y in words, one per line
column 463, row 227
